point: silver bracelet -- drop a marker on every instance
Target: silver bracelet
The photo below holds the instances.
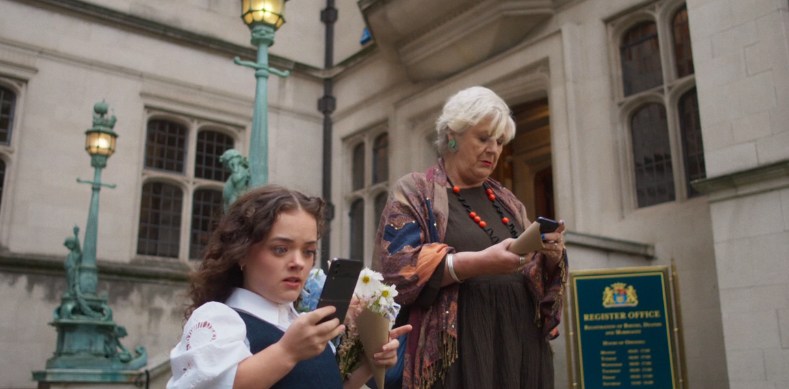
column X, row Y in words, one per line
column 451, row 267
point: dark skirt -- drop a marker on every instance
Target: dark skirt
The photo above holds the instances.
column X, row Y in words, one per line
column 500, row 346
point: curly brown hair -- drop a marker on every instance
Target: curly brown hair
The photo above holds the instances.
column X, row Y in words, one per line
column 248, row 221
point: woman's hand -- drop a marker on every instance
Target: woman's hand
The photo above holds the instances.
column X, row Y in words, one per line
column 305, row 338
column 496, row 259
column 387, row 356
column 499, row 260
column 553, row 243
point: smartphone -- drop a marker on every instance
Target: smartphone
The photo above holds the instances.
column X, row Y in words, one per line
column 338, row 288
column 547, row 225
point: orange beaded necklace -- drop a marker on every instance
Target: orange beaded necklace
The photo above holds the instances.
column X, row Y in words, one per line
column 478, row 219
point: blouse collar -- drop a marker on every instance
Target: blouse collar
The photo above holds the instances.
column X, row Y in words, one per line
column 281, row 315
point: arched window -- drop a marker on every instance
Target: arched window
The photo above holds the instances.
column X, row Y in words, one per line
column 381, row 158
column 7, row 105
column 368, row 193
column 358, row 167
column 668, row 126
column 692, row 145
column 206, row 210
column 172, row 147
column 652, row 155
column 2, row 179
column 380, row 203
column 682, row 52
column 210, row 146
column 640, row 56
column 165, row 146
column 357, row 229
column 160, row 220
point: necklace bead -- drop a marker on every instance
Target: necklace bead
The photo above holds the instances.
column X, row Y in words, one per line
column 477, row 219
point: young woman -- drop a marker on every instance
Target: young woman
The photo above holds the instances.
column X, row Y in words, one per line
column 243, row 331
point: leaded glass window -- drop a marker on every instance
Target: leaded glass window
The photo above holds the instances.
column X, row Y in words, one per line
column 210, row 146
column 357, row 229
column 358, row 167
column 682, row 52
column 206, row 211
column 381, row 158
column 2, row 179
column 7, row 106
column 165, row 146
column 652, row 155
column 664, row 126
column 160, row 220
column 380, row 203
column 640, row 56
column 692, row 145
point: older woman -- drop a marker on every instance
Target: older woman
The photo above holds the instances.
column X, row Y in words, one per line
column 243, row 331
column 482, row 315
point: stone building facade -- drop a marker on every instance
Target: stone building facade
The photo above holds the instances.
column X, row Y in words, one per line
column 657, row 129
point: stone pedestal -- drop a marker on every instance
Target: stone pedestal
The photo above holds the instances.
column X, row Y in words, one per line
column 87, row 379
column 88, row 347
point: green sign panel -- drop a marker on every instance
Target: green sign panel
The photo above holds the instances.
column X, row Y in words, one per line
column 623, row 326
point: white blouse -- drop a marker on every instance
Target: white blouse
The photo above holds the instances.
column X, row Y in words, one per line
column 214, row 340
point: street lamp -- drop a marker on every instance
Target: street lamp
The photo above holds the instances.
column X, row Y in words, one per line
column 263, row 17
column 100, row 145
column 88, row 346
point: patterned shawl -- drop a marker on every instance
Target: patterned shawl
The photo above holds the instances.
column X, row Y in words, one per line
column 409, row 247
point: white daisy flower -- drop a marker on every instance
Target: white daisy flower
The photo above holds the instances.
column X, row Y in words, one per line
column 369, row 283
column 386, row 294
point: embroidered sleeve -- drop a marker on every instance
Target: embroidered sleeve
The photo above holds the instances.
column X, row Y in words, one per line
column 211, row 346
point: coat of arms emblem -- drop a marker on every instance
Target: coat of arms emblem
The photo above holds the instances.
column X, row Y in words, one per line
column 619, row 294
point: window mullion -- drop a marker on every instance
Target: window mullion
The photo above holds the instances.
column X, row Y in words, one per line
column 191, row 151
column 666, row 44
column 186, row 222
column 675, row 141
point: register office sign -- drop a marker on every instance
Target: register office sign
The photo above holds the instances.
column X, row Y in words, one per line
column 624, row 325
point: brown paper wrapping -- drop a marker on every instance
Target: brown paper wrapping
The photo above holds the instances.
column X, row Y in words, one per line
column 528, row 241
column 374, row 333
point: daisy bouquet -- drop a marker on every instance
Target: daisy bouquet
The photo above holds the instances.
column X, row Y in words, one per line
column 372, row 314
column 377, row 315
column 375, row 296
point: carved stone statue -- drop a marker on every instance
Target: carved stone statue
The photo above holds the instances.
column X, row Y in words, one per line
column 238, row 182
column 73, row 260
column 74, row 302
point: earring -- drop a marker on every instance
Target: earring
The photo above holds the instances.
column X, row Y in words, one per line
column 453, row 145
column 241, row 266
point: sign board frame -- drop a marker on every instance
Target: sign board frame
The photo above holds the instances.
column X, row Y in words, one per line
column 624, row 331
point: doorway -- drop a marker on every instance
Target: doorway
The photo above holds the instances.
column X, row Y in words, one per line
column 525, row 163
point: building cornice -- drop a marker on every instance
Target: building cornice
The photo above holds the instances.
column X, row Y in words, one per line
column 174, row 34
column 749, row 181
column 149, row 271
column 610, row 245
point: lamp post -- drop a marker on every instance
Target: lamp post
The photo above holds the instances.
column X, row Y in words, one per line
column 100, row 145
column 88, row 345
column 263, row 17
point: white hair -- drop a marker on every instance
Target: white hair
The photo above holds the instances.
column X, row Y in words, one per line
column 465, row 109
